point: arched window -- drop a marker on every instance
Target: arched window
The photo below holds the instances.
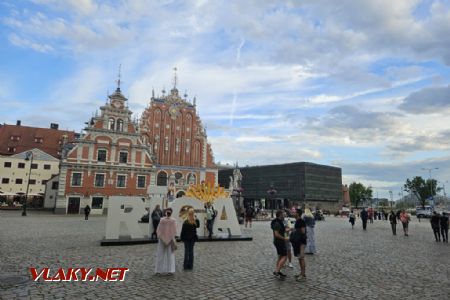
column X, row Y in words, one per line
column 111, row 124
column 192, row 179
column 161, row 179
column 119, row 125
column 178, row 178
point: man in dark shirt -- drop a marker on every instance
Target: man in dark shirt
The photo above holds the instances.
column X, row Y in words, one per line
column 435, row 219
column 444, row 227
column 299, row 245
column 279, row 240
column 364, row 217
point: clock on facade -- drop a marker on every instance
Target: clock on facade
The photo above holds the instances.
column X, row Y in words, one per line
column 174, row 111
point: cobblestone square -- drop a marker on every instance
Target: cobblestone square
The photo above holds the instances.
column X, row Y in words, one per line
column 350, row 264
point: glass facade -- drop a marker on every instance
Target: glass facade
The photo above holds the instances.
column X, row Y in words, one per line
column 296, row 182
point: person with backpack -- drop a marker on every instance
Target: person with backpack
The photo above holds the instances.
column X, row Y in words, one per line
column 351, row 218
column 279, row 241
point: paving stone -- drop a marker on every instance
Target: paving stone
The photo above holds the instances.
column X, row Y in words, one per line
column 350, row 264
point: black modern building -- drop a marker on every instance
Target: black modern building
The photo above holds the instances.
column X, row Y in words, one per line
column 295, row 184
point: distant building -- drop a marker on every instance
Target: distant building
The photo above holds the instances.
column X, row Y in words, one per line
column 299, row 183
column 179, row 142
column 17, row 139
column 110, row 158
column 15, row 177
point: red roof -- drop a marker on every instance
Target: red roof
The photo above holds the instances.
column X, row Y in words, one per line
column 16, row 139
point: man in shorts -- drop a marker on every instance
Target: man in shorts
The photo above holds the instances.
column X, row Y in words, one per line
column 279, row 240
column 299, row 247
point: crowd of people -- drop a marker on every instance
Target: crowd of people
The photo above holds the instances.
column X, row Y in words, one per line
column 291, row 239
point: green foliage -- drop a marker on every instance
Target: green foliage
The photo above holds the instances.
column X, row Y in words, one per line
column 422, row 189
column 358, row 193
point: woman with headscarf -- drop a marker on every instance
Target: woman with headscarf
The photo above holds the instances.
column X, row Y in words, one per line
column 165, row 254
column 310, row 223
column 189, row 237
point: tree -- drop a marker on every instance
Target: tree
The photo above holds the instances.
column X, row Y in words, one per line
column 358, row 193
column 422, row 189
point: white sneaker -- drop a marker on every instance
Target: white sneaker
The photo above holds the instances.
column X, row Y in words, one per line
column 290, row 265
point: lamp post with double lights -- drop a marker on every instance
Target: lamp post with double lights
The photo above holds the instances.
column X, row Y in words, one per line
column 28, row 157
column 272, row 192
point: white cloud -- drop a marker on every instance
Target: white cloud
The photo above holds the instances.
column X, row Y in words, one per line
column 428, row 100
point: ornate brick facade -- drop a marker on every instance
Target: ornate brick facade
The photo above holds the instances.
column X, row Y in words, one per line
column 109, row 159
column 179, row 141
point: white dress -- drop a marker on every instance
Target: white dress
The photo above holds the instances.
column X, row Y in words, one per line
column 165, row 259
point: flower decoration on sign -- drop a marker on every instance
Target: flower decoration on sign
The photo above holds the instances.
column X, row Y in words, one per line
column 206, row 192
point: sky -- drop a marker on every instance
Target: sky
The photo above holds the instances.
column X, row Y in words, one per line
column 361, row 85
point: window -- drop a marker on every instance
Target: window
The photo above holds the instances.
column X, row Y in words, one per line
column 178, row 178
column 47, row 167
column 121, row 181
column 15, row 138
column 119, row 125
column 99, row 180
column 11, row 149
column 101, row 155
column 44, row 182
column 111, row 124
column 34, row 166
column 55, row 185
column 7, row 164
column 38, row 140
column 5, row 180
column 97, row 202
column 19, row 180
column 141, row 181
column 32, row 181
column 21, row 165
column 123, row 157
column 76, row 179
column 192, row 179
column 162, row 179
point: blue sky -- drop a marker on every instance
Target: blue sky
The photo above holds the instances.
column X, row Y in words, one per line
column 363, row 85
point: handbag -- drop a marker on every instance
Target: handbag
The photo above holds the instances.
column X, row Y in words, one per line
column 173, row 245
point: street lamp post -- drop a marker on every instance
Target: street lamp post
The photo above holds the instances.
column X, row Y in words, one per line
column 28, row 157
column 392, row 197
column 431, row 185
column 272, row 191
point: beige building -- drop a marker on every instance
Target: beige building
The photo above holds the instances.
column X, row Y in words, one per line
column 15, row 176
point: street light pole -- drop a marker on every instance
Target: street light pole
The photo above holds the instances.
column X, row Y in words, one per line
column 431, row 183
column 28, row 155
column 392, row 197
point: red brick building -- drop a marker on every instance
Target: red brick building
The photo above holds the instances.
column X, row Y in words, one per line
column 111, row 158
column 16, row 139
column 179, row 142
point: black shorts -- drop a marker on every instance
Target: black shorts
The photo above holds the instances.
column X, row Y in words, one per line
column 281, row 247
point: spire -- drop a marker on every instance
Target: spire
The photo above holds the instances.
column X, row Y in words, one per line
column 153, row 93
column 118, row 79
column 175, row 78
column 195, row 101
column 185, row 94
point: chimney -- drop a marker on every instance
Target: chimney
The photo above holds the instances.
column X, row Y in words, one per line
column 18, row 122
column 54, row 126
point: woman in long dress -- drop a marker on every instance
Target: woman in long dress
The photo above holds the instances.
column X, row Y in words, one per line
column 165, row 254
column 310, row 223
